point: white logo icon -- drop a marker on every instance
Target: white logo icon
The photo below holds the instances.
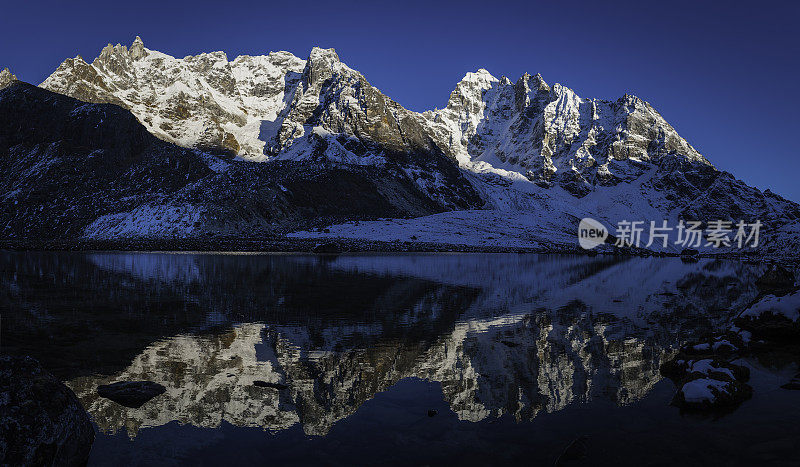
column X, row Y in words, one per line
column 591, row 233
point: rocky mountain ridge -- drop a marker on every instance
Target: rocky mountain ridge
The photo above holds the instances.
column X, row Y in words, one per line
column 258, row 107
column 202, row 101
column 536, row 155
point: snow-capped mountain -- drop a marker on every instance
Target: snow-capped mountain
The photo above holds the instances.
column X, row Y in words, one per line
column 260, row 107
column 202, row 101
column 275, row 107
column 536, row 157
column 550, row 134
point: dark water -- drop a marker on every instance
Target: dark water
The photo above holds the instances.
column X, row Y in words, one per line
column 520, row 355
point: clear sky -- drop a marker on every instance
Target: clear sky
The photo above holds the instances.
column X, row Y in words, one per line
column 725, row 74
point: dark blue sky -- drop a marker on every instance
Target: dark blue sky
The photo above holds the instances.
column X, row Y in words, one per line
column 724, row 74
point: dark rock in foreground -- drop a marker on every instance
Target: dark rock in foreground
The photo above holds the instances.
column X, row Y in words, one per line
column 722, row 345
column 680, row 370
column 41, row 420
column 772, row 317
column 711, row 393
column 131, row 394
column 707, row 384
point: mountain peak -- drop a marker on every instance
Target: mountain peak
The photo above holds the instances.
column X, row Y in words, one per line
column 540, row 81
column 137, row 49
column 318, row 53
column 321, row 64
column 6, row 78
column 481, row 76
column 111, row 51
column 527, row 82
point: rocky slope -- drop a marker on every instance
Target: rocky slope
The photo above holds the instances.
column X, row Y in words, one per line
column 551, row 135
column 73, row 169
column 66, row 163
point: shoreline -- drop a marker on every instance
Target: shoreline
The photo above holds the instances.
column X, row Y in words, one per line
column 345, row 246
column 266, row 245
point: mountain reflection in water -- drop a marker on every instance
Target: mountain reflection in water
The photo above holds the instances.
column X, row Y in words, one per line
column 502, row 336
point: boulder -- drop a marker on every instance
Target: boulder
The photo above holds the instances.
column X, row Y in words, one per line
column 708, row 384
column 772, row 317
column 721, row 345
column 41, row 420
column 711, row 394
column 131, row 394
column 681, row 370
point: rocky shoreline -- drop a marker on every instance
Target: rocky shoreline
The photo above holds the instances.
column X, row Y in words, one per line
column 708, row 373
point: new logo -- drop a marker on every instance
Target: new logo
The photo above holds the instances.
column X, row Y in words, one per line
column 591, row 233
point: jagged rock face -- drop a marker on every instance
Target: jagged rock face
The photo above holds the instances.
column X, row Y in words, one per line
column 700, row 192
column 339, row 99
column 281, row 107
column 202, row 101
column 551, row 135
column 251, row 106
column 6, row 78
column 335, row 115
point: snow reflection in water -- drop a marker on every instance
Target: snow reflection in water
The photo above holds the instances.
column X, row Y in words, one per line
column 503, row 336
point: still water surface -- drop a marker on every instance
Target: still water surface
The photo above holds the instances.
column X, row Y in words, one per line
column 518, row 355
